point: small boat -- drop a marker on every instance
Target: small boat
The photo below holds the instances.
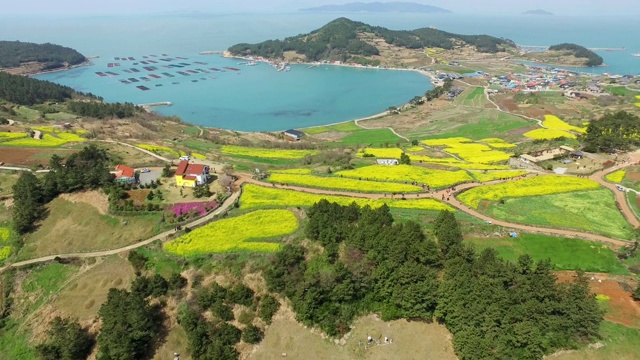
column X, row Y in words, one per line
column 134, row 80
column 158, row 85
column 232, row 69
column 144, row 62
column 112, row 73
column 143, row 88
column 636, row 54
column 144, row 78
column 175, row 83
column 194, row 80
column 154, row 76
column 101, row 74
column 130, row 58
column 135, row 70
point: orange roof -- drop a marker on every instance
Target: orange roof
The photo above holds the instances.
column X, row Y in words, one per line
column 195, row 169
column 182, row 167
column 125, row 171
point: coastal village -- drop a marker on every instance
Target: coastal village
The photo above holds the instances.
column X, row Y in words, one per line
column 397, row 235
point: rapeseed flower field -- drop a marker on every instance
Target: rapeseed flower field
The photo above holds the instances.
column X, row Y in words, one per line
column 498, row 143
column 555, row 123
column 407, row 173
column 266, row 153
column 496, row 175
column 256, row 197
column 469, row 151
column 387, row 153
column 237, row 234
column 5, row 252
column 157, row 148
column 616, row 177
column 343, row 184
column 12, row 135
column 548, row 134
column 532, row 186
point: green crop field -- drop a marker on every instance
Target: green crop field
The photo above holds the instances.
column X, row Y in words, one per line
column 565, row 254
column 373, row 137
column 620, row 343
column 592, row 211
column 477, row 125
column 59, row 116
column 475, row 98
column 621, row 91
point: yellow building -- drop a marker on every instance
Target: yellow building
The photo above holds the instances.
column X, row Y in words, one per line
column 191, row 175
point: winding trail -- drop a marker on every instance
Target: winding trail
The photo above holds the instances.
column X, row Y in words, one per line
column 162, row 237
column 357, row 122
column 243, row 178
column 456, row 204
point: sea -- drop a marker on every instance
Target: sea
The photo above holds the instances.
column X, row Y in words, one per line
column 258, row 98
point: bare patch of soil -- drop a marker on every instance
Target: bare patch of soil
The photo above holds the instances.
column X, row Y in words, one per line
column 633, row 176
column 621, row 308
column 93, row 198
column 30, row 156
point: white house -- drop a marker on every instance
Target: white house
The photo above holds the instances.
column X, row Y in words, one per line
column 294, row 134
column 389, row 162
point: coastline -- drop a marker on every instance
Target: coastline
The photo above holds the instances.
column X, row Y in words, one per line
column 86, row 63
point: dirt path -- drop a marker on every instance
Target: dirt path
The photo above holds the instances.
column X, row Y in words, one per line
column 357, row 122
column 456, row 204
column 162, row 237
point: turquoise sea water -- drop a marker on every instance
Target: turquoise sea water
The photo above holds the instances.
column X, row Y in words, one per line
column 258, row 98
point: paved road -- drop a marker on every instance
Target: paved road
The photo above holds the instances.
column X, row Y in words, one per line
column 227, row 203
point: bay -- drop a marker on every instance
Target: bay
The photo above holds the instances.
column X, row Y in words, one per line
column 260, row 99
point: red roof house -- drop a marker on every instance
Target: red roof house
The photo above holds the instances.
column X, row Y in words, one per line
column 125, row 174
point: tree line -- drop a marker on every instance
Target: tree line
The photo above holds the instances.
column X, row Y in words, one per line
column 495, row 309
column 86, row 169
column 23, row 90
column 339, row 40
column 102, row 110
column 593, row 59
column 15, row 53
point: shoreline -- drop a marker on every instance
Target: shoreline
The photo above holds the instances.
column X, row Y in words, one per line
column 86, row 63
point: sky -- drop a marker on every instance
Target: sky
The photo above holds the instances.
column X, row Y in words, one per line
column 114, row 7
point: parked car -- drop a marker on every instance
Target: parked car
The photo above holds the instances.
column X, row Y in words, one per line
column 145, row 170
column 620, row 188
column 184, row 158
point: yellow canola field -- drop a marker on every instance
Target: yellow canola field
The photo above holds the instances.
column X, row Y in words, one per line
column 46, row 141
column 390, row 153
column 4, row 234
column 531, row 186
column 198, row 156
column 266, row 153
column 12, row 135
column 498, row 143
column 496, row 175
column 343, row 184
column 469, row 151
column 548, row 134
column 616, row 176
column 157, row 148
column 5, row 252
column 236, row 234
column 401, row 173
column 255, row 197
column 415, row 148
column 454, row 163
column 555, row 123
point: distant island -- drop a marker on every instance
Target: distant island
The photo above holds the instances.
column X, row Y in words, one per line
column 28, row 58
column 567, row 54
column 351, row 41
column 379, row 7
column 537, row 12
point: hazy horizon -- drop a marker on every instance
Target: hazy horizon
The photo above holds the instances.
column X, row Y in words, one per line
column 486, row 7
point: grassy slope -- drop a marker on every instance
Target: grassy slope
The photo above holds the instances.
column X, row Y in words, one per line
column 80, row 227
column 592, row 211
column 620, row 343
column 565, row 254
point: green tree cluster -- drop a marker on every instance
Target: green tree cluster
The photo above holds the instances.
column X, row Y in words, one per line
column 24, row 90
column 66, row 340
column 86, row 169
column 578, row 51
column 439, row 90
column 340, row 40
column 495, row 309
column 613, row 131
column 100, row 110
column 15, row 53
column 130, row 327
